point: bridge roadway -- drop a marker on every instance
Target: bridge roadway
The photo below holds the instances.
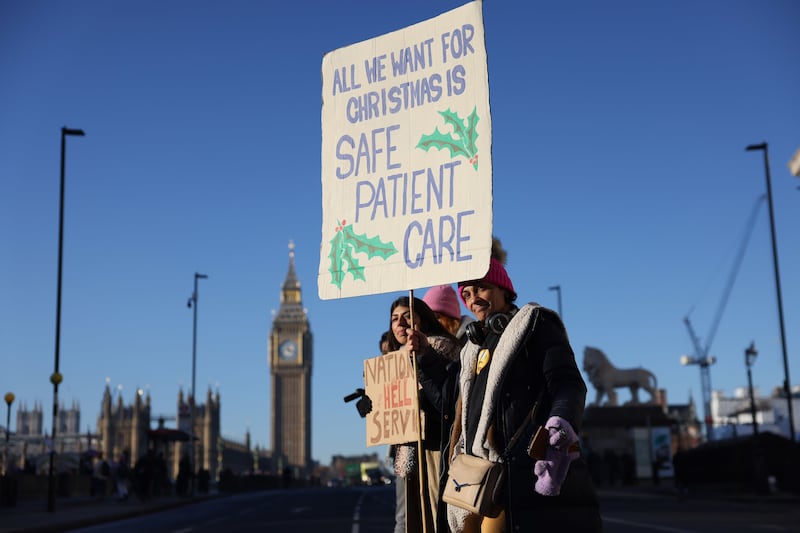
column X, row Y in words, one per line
column 371, row 509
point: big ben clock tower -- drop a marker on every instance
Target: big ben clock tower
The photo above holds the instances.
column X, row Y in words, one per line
column 290, row 358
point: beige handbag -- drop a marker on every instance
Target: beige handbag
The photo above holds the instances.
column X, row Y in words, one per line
column 475, row 484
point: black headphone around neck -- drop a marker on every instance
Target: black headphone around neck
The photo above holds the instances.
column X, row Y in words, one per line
column 495, row 323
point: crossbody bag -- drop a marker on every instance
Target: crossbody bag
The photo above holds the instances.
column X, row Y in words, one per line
column 477, row 484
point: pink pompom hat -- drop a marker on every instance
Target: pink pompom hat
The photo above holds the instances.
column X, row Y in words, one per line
column 497, row 275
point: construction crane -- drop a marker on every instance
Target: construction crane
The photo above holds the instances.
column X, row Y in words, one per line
column 702, row 357
column 704, row 361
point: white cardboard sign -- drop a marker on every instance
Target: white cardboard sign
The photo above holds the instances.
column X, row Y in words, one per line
column 406, row 159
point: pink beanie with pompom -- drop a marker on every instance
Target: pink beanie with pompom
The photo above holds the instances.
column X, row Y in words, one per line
column 497, row 275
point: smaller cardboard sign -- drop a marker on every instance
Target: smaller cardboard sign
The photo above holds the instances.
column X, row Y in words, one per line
column 389, row 382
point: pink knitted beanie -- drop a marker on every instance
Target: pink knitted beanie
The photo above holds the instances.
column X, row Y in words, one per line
column 497, row 275
column 442, row 299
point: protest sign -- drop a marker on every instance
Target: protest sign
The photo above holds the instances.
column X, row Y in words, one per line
column 406, row 159
column 389, row 383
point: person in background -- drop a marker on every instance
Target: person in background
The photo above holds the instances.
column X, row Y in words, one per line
column 517, row 358
column 443, row 301
column 384, row 342
column 399, row 483
column 143, row 475
column 434, row 347
column 122, row 473
column 101, row 471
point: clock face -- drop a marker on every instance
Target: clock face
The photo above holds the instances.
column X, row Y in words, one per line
column 287, row 350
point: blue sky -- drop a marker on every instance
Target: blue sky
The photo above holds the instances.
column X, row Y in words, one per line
column 620, row 174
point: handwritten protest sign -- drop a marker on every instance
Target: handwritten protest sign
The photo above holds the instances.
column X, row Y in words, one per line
column 389, row 383
column 406, row 159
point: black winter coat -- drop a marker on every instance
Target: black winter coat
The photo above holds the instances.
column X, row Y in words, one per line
column 531, row 361
column 439, row 381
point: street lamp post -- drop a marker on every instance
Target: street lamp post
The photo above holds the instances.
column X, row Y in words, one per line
column 749, row 358
column 557, row 288
column 193, row 304
column 786, row 382
column 758, row 477
column 705, row 381
column 56, row 377
column 9, row 397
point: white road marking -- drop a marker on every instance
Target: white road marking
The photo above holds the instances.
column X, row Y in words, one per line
column 642, row 525
column 357, row 514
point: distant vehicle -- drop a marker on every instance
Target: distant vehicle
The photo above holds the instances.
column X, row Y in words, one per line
column 375, row 476
column 336, row 483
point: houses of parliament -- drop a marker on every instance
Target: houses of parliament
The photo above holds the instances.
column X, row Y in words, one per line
column 130, row 430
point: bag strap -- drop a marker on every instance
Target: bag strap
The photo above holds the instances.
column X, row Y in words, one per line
column 530, row 416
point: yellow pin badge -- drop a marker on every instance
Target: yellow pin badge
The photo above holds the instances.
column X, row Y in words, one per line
column 483, row 359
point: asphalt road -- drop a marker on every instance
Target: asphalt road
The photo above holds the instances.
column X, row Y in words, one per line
column 346, row 510
column 371, row 509
column 627, row 511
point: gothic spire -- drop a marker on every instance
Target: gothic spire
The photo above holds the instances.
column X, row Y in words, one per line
column 291, row 282
column 291, row 304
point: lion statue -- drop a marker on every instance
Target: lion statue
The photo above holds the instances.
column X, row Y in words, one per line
column 605, row 377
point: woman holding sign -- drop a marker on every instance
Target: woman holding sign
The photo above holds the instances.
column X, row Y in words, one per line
column 435, row 348
column 518, row 374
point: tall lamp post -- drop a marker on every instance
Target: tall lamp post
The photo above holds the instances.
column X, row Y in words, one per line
column 749, row 358
column 192, row 303
column 786, row 382
column 705, row 382
column 9, row 397
column 557, row 288
column 758, row 470
column 56, row 377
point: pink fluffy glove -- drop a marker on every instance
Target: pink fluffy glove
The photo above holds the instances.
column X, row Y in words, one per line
column 562, row 449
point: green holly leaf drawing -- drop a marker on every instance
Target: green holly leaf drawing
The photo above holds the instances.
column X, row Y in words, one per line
column 337, row 268
column 371, row 246
column 463, row 144
column 472, row 131
column 442, row 141
column 353, row 266
column 345, row 243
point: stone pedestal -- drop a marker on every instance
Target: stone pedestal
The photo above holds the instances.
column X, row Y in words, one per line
column 623, row 444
